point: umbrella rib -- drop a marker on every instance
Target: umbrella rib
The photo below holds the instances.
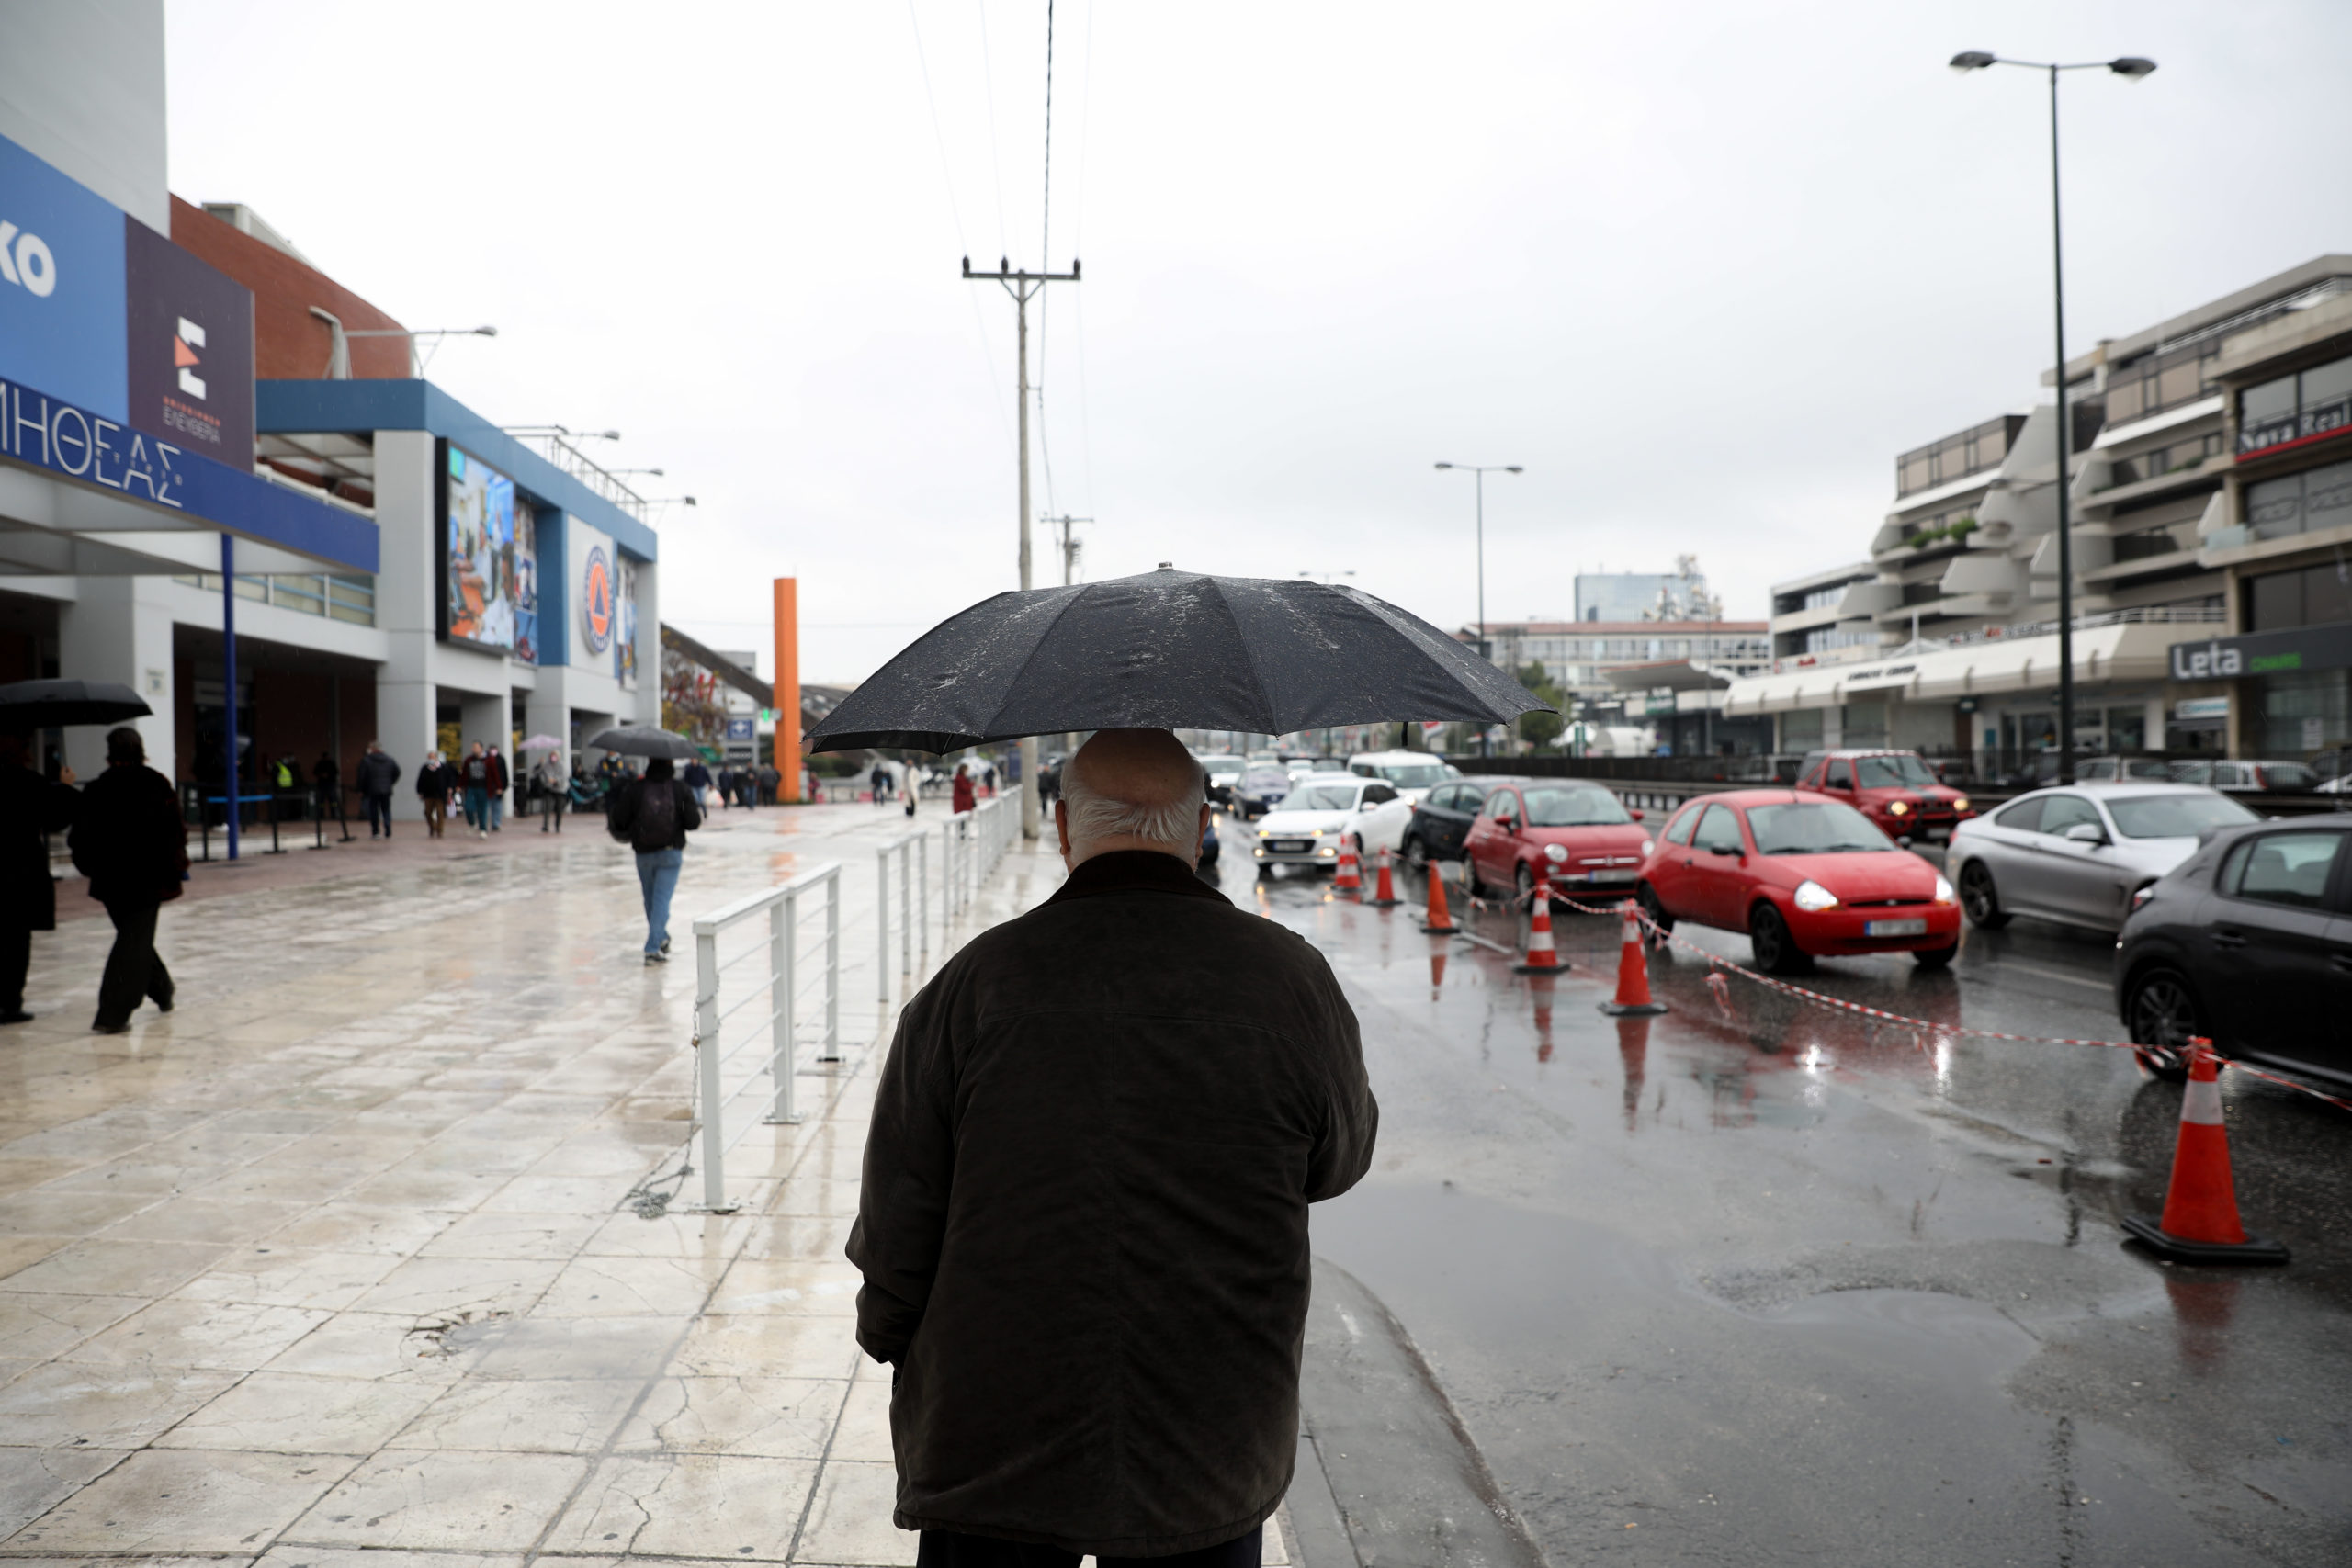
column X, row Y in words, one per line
column 1030, row 657
column 1257, row 678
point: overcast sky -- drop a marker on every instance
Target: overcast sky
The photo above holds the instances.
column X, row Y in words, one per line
column 1703, row 269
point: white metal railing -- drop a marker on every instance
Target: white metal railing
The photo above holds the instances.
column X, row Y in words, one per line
column 913, row 851
column 972, row 843
column 776, row 967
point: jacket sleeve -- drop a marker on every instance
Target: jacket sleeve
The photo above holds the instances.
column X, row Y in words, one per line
column 59, row 804
column 1342, row 1151
column 689, row 810
column 909, row 1172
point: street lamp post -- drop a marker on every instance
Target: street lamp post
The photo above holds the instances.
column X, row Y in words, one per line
column 1481, row 473
column 2131, row 68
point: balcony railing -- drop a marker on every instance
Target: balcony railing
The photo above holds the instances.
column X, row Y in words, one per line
column 348, row 599
column 2149, row 615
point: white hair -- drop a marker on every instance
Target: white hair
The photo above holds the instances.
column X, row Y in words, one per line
column 1095, row 817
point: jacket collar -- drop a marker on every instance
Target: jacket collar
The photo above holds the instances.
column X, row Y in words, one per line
column 1133, row 871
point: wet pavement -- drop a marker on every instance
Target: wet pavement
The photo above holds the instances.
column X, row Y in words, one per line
column 1759, row 1281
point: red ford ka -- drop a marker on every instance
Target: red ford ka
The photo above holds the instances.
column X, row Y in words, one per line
column 1803, row 875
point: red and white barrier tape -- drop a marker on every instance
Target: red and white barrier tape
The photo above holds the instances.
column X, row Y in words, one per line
column 1721, row 991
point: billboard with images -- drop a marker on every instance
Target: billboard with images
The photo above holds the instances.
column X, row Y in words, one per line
column 594, row 566
column 625, row 627
column 490, row 593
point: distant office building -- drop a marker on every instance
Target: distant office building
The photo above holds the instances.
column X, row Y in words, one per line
column 1635, row 596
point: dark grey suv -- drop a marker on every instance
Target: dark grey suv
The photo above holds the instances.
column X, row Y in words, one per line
column 2248, row 943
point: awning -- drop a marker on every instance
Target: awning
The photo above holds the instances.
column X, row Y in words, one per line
column 2135, row 651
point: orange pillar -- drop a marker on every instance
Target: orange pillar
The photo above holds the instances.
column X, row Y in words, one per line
column 787, row 687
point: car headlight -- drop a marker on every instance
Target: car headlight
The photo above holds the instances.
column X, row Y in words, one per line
column 1646, row 846
column 1960, row 803
column 1556, row 854
column 1943, row 891
column 1264, row 833
column 1813, row 897
column 1898, row 809
column 1327, row 850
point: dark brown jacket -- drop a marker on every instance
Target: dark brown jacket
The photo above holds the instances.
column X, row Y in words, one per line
column 1084, row 1225
column 30, row 806
column 128, row 838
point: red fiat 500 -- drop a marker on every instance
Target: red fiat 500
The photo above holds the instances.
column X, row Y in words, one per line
column 1803, row 875
column 1578, row 832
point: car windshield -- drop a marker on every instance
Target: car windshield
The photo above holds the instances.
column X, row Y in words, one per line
column 1321, row 798
column 1813, row 827
column 1904, row 772
column 1265, row 778
column 1572, row 808
column 2176, row 816
column 1219, row 766
column 1413, row 776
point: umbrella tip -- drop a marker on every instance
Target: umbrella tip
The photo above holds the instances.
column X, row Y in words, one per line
column 1168, row 566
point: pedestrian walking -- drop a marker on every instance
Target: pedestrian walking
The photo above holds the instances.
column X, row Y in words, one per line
column 987, row 778
column 32, row 808
column 326, row 784
column 436, row 782
column 473, row 784
column 698, row 777
column 1082, row 1224
column 771, row 780
column 960, row 797
column 552, row 786
column 878, row 780
column 500, row 782
column 378, row 774
column 652, row 816
column 128, row 838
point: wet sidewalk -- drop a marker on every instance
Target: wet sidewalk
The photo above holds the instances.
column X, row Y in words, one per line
column 377, row 1241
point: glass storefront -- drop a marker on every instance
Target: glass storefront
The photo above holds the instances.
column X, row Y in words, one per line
column 2303, row 711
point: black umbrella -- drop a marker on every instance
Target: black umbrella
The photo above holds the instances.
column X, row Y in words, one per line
column 645, row 740
column 38, row 705
column 1167, row 650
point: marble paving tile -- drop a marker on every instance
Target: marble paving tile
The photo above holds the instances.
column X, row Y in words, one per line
column 54, row 1211
column 16, row 1175
column 422, row 1190
column 277, row 1276
column 559, row 1195
column 19, row 1252
column 513, row 1235
column 358, row 1557
column 116, row 1268
column 798, row 1237
column 347, row 1147
column 816, row 1197
column 64, row 1405
column 630, row 1287
column 36, row 1327
column 478, row 1156
column 624, row 1160
column 865, row 1432
column 778, row 1285
column 294, row 1413
column 850, row 1521
column 361, row 1227
column 371, row 1345
column 525, row 1347
column 769, row 1346
column 32, row 1481
column 781, row 1417
column 700, row 1238
column 536, row 1415
column 442, row 1501
column 281, row 1184
column 205, row 1219
column 440, row 1286
column 184, row 1502
column 224, row 1336
column 688, row 1506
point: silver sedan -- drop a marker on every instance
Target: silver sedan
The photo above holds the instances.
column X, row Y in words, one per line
column 2078, row 854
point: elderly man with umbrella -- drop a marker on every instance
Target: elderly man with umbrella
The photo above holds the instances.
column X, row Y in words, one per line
column 1082, row 1225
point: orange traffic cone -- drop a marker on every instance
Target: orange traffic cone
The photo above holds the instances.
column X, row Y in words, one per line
column 1632, row 999
column 1348, row 878
column 1542, row 959
column 2200, row 1222
column 1440, row 919
column 1384, row 895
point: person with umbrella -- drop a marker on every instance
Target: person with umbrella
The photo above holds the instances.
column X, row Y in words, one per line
column 31, row 808
column 652, row 815
column 129, row 841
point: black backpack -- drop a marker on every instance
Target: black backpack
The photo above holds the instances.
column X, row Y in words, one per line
column 656, row 827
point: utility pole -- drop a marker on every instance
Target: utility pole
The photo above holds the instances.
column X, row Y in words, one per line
column 1071, row 544
column 1023, row 287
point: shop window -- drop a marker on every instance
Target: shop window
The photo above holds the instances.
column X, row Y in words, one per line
column 2315, row 596
column 2305, row 711
column 2127, row 728
column 2274, row 508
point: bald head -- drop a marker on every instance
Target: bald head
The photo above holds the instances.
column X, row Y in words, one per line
column 1132, row 789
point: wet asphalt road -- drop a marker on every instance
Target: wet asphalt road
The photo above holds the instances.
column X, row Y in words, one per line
column 1759, row 1282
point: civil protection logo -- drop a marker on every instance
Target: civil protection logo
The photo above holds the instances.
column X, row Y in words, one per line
column 597, row 600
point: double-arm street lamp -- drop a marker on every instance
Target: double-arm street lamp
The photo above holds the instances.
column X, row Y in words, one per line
column 1481, row 472
column 2131, row 68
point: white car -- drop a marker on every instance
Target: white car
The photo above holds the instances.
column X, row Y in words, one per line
column 1414, row 773
column 1329, row 809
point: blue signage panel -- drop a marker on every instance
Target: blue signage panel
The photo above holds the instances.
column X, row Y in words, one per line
column 191, row 345
column 739, row 731
column 62, row 326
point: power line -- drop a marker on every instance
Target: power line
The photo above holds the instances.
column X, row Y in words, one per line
column 955, row 210
column 1044, row 438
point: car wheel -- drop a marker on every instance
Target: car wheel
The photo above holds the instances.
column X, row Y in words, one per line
column 1417, row 854
column 1775, row 948
column 1265, row 873
column 1525, row 882
column 2161, row 1013
column 1934, row 957
column 1980, row 898
column 1647, row 897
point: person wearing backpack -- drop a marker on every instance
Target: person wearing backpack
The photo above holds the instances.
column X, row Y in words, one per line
column 652, row 816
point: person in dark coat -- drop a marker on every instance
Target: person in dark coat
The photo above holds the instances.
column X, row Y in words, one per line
column 378, row 774
column 326, row 784
column 500, row 782
column 652, row 816
column 436, row 782
column 30, row 808
column 1082, row 1225
column 129, row 840
column 473, row 779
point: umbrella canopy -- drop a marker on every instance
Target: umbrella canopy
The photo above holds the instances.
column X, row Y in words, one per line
column 644, row 740
column 1167, row 650
column 38, row 705
column 541, row 743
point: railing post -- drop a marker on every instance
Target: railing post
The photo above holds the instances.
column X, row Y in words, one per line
column 714, row 1140
column 906, row 908
column 922, row 893
column 783, row 933
column 882, row 923
column 833, row 967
